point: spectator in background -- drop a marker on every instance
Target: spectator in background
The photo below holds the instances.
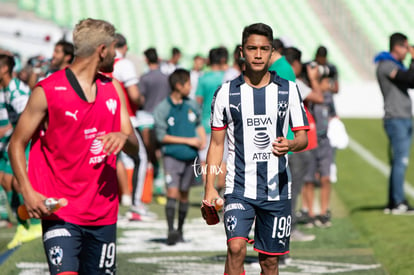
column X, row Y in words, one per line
column 15, row 94
column 394, row 80
column 319, row 170
column 329, row 79
column 278, row 62
column 237, row 67
column 195, row 73
column 167, row 67
column 299, row 162
column 179, row 129
column 154, row 88
column 63, row 55
column 208, row 83
column 224, row 57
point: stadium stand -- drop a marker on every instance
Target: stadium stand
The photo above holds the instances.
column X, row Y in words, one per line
column 196, row 26
column 165, row 24
column 380, row 18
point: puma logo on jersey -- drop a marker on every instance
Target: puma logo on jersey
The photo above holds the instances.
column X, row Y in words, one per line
column 73, row 115
column 235, row 107
column 111, row 104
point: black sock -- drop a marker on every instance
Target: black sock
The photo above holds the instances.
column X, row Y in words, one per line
column 182, row 213
column 170, row 213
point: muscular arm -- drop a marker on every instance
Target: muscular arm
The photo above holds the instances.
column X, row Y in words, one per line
column 214, row 159
column 31, row 118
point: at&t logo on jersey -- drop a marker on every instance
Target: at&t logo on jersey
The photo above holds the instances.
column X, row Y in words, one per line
column 55, row 255
column 96, row 149
column 112, row 105
column 261, row 140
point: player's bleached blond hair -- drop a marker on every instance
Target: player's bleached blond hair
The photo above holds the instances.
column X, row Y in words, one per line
column 89, row 34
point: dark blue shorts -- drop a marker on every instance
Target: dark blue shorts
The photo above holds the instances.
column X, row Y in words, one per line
column 83, row 249
column 272, row 223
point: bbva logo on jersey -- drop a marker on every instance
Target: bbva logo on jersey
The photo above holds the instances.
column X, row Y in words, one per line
column 112, row 105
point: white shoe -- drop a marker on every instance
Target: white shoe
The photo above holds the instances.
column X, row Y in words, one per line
column 299, row 236
column 144, row 213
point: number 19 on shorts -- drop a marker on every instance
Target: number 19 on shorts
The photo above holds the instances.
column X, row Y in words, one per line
column 107, row 256
column 281, row 227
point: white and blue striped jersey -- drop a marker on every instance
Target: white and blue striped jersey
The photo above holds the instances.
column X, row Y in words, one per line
column 254, row 118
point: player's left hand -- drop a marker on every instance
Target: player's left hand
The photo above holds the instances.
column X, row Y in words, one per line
column 280, row 146
column 113, row 142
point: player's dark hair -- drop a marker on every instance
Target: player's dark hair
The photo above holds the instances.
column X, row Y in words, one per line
column 257, row 28
column 397, row 39
column 321, row 51
column 237, row 55
column 278, row 45
column 175, row 51
column 214, row 57
column 180, row 76
column 292, row 54
column 68, row 49
column 151, row 55
column 7, row 60
column 120, row 40
column 224, row 54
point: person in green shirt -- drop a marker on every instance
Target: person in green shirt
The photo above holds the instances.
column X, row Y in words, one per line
column 279, row 63
column 179, row 130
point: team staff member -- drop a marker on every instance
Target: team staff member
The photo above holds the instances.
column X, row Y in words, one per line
column 394, row 80
column 258, row 179
column 78, row 123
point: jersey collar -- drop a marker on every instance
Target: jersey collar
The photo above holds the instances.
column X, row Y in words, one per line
column 273, row 78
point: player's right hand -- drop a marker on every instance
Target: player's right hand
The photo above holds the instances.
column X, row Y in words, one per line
column 34, row 203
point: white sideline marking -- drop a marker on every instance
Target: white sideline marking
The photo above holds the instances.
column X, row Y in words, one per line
column 377, row 163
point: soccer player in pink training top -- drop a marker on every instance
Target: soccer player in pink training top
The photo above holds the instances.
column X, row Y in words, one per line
column 78, row 123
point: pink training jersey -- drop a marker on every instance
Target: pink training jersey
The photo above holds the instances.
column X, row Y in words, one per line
column 67, row 161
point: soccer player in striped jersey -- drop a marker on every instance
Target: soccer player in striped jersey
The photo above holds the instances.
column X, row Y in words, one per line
column 255, row 110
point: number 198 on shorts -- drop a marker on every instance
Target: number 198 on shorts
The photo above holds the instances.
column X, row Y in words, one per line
column 281, row 227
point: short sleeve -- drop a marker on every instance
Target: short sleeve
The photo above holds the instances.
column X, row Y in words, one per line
column 304, row 90
column 298, row 118
column 218, row 119
column 124, row 71
column 160, row 119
